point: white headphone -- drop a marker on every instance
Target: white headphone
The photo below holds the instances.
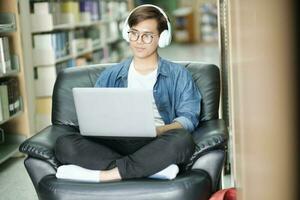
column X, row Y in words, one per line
column 164, row 38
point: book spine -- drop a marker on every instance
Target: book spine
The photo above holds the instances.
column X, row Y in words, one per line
column 10, row 96
column 54, row 45
column 1, row 109
column 7, row 55
column 2, row 59
column 43, row 41
column 41, row 8
column 17, row 103
column 4, row 101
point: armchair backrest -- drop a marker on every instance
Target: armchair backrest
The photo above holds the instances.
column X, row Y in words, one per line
column 206, row 77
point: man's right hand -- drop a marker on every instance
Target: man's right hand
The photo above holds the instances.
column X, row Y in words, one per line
column 162, row 129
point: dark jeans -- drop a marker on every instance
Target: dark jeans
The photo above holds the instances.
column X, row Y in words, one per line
column 134, row 157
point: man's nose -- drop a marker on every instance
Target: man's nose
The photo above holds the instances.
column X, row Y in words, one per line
column 140, row 40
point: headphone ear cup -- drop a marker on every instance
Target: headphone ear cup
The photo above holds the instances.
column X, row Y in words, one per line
column 125, row 32
column 164, row 39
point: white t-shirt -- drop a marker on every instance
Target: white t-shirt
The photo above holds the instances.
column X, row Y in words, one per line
column 139, row 81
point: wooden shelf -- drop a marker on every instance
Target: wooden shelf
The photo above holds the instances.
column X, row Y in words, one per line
column 62, row 59
column 7, row 151
column 10, row 73
column 11, row 146
column 184, row 25
column 46, row 57
column 43, row 23
column 14, row 115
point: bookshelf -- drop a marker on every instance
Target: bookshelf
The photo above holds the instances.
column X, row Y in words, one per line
column 205, row 19
column 15, row 123
column 208, row 20
column 69, row 33
column 184, row 24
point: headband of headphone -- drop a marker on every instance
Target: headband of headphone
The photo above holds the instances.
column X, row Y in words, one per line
column 164, row 38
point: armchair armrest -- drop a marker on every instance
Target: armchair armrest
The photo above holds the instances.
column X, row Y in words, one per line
column 41, row 145
column 211, row 134
column 208, row 136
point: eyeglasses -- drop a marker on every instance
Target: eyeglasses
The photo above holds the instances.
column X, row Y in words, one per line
column 147, row 38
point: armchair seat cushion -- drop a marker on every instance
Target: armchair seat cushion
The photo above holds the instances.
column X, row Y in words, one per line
column 188, row 186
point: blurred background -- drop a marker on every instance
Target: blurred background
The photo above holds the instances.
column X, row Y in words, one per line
column 254, row 43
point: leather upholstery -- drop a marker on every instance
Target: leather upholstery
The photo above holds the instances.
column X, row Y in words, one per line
column 41, row 145
column 210, row 163
column 38, row 169
column 207, row 78
column 197, row 183
column 146, row 189
column 63, row 108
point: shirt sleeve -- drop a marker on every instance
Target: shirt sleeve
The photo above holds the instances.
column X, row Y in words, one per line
column 188, row 102
column 103, row 79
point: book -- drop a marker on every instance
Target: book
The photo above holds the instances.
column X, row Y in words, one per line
column 16, row 95
column 13, row 94
column 56, row 45
column 43, row 41
column 2, row 136
column 53, row 8
column 41, row 8
column 92, row 7
column 44, row 80
column 57, row 42
column 2, row 59
column 4, row 101
column 71, row 8
column 1, row 112
column 5, row 61
column 7, row 54
column 56, row 12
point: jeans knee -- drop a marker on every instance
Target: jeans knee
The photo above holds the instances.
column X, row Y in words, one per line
column 181, row 143
column 183, row 140
column 64, row 148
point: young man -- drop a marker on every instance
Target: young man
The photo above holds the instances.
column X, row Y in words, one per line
column 176, row 104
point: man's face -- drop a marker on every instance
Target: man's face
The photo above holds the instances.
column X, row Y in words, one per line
column 148, row 36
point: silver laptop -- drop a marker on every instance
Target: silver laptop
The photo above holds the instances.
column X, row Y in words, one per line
column 120, row 112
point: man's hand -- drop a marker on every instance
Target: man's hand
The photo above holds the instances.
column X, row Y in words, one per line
column 159, row 130
column 162, row 129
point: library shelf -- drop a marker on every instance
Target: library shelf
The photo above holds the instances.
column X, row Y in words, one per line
column 43, row 23
column 62, row 59
column 12, row 117
column 17, row 126
column 100, row 33
column 10, row 146
column 46, row 57
column 83, row 52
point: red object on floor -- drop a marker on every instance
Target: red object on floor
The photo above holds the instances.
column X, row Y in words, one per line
column 226, row 194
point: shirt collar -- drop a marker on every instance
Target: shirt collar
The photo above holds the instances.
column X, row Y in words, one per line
column 125, row 68
column 162, row 68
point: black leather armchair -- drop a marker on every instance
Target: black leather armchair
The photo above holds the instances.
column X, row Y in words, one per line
column 198, row 182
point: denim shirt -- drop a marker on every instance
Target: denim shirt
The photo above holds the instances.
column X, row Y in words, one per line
column 176, row 96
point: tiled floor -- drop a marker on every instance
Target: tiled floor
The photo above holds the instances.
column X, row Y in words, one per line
column 15, row 183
